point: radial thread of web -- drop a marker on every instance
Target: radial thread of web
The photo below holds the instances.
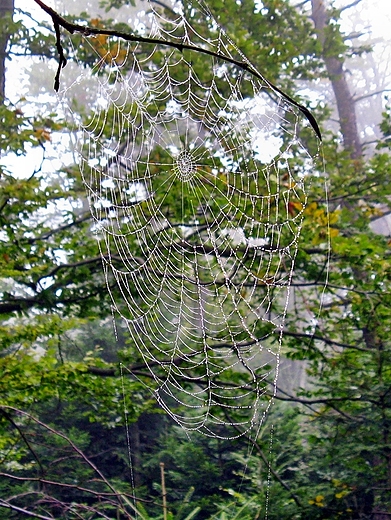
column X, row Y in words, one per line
column 197, row 186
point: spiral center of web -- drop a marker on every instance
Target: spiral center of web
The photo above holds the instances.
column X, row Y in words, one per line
column 184, row 166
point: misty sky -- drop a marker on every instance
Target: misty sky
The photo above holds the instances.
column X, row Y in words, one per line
column 376, row 14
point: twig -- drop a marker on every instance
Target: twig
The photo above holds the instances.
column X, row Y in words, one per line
column 71, row 443
column 7, row 505
column 372, row 94
column 64, row 485
column 164, row 492
column 325, row 340
column 352, row 4
column 25, row 440
column 62, row 59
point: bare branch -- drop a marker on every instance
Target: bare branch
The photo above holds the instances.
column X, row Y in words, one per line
column 74, row 265
column 67, row 486
column 301, row 4
column 378, row 217
column 352, row 4
column 327, row 341
column 52, row 232
column 25, row 440
column 25, row 512
column 59, row 21
column 356, row 99
column 68, row 441
column 328, row 401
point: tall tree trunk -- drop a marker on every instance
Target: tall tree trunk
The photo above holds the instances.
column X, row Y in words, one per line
column 6, row 8
column 334, row 66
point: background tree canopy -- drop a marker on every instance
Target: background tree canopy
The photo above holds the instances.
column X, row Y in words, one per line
column 75, row 389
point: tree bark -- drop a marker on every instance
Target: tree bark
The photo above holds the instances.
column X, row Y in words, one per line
column 6, row 7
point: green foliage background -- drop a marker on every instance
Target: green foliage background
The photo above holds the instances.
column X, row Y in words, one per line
column 325, row 451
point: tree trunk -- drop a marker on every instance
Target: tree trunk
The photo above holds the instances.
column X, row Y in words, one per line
column 6, row 7
column 351, row 142
column 334, row 66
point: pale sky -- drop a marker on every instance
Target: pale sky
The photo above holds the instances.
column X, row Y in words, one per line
column 376, row 16
column 378, row 12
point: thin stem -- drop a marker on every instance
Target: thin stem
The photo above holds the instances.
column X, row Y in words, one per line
column 164, row 492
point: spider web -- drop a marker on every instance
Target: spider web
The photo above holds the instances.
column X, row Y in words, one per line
column 197, row 185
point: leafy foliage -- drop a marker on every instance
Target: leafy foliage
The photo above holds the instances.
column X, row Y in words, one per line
column 327, row 458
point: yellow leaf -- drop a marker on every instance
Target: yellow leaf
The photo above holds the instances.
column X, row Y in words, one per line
column 334, row 217
column 95, row 22
column 121, row 57
column 342, row 494
column 42, row 134
column 297, row 205
column 311, row 208
column 333, row 232
column 318, row 501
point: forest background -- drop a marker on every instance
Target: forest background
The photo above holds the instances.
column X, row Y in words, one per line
column 325, row 450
